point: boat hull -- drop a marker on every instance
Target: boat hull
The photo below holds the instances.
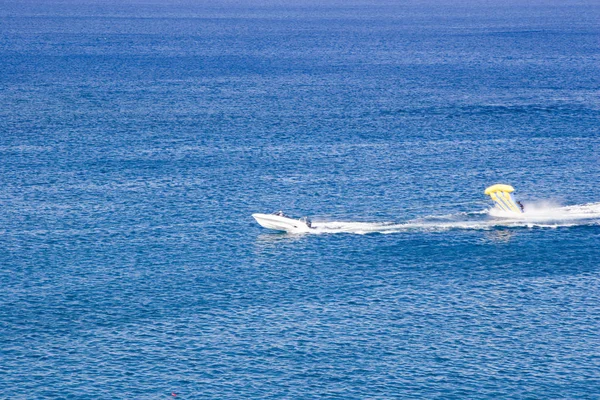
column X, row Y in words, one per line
column 283, row 224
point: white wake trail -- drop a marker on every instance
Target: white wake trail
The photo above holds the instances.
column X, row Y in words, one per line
column 535, row 216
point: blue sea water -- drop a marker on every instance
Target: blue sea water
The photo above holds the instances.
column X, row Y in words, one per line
column 138, row 137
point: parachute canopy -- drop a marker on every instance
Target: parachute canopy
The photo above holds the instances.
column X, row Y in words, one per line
column 502, row 197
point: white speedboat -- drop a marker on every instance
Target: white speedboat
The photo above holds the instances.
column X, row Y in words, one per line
column 280, row 222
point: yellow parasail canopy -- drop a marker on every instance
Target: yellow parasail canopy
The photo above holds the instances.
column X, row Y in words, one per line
column 502, row 197
column 499, row 188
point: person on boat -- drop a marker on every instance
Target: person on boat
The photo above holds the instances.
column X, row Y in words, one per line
column 307, row 221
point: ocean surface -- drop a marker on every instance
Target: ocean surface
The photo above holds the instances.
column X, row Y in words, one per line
column 138, row 137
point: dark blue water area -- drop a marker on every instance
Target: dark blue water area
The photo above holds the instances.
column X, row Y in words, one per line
column 137, row 138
